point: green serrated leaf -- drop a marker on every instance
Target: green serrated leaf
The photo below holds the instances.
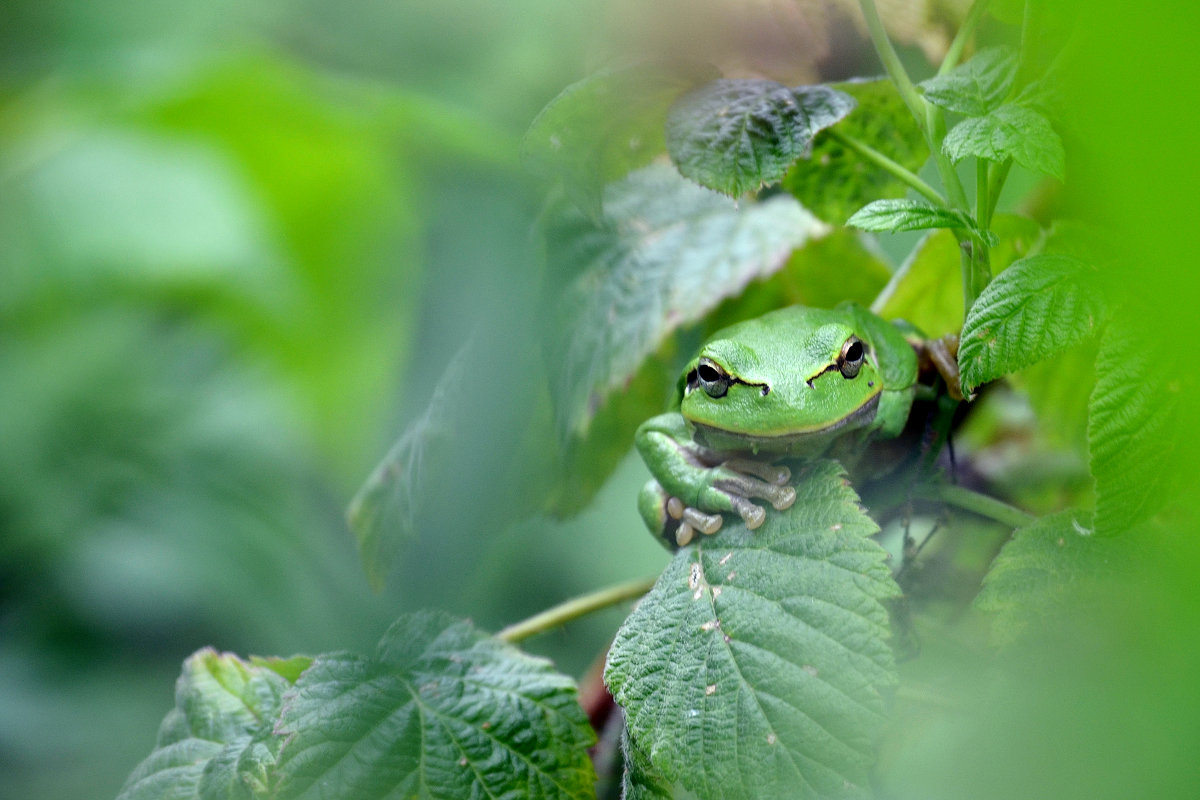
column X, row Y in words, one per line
column 217, row 741
column 670, row 251
column 915, row 215
column 1046, row 571
column 1036, row 308
column 1010, row 131
column 638, row 781
column 835, row 181
column 602, row 127
column 1132, row 427
column 927, row 288
column 975, row 87
column 736, row 136
column 756, row 666
column 442, row 710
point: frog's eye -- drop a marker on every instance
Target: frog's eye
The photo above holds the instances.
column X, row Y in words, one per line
column 851, row 359
column 712, row 378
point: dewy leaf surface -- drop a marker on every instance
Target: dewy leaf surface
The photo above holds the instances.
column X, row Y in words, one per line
column 216, row 742
column 975, row 87
column 441, row 711
column 836, row 181
column 1010, row 131
column 756, row 666
column 1132, row 426
column 1039, row 306
column 669, row 252
column 735, row 136
column 914, row 215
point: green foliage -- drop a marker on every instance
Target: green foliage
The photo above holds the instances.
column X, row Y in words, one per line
column 604, row 126
column 1049, row 571
column 441, row 710
column 915, row 215
column 736, row 136
column 1010, row 131
column 667, row 253
column 1035, row 309
column 974, row 87
column 836, row 180
column 1132, row 428
column 764, row 655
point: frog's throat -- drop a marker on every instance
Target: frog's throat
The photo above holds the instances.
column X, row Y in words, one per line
column 861, row 417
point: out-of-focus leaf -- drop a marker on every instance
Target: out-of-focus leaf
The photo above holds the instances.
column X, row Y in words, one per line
column 736, row 136
column 1036, row 308
column 385, row 509
column 669, row 252
column 602, row 127
column 914, row 215
column 217, row 742
column 927, row 289
column 835, row 181
column 1047, row 571
column 1009, row 131
column 974, row 87
column 756, row 666
column 1132, row 426
column 442, row 710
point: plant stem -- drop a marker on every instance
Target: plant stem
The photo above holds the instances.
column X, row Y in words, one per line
column 970, row 22
column 880, row 160
column 891, row 62
column 976, row 503
column 575, row 608
column 997, row 175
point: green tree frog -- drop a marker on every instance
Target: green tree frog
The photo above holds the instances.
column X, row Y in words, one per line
column 797, row 383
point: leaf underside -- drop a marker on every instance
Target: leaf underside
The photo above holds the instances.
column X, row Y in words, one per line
column 1009, row 131
column 975, row 87
column 736, row 136
column 756, row 666
column 914, row 215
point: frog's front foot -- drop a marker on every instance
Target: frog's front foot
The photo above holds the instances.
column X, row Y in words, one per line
column 726, row 487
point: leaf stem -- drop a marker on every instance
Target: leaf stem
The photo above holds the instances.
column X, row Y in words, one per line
column 575, row 608
column 891, row 62
column 970, row 22
column 975, row 502
column 880, row 160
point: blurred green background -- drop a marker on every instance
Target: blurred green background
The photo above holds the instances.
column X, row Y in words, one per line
column 238, row 245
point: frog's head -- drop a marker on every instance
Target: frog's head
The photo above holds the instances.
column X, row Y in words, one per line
column 775, row 381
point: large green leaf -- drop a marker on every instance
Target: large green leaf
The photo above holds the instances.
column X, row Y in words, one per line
column 217, row 741
column 668, row 252
column 835, row 181
column 1132, row 426
column 1036, row 308
column 599, row 128
column 738, row 135
column 441, row 711
column 1009, row 131
column 975, row 87
column 756, row 666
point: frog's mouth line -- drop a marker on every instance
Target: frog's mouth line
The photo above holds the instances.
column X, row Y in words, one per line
column 858, row 418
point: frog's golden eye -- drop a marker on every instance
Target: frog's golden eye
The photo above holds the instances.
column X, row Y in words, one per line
column 712, row 378
column 851, row 359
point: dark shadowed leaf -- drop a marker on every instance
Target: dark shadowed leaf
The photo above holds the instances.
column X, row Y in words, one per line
column 738, row 135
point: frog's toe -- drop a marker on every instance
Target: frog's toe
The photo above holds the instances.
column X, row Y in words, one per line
column 744, row 486
column 751, row 514
column 684, row 534
column 771, row 473
column 707, row 524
